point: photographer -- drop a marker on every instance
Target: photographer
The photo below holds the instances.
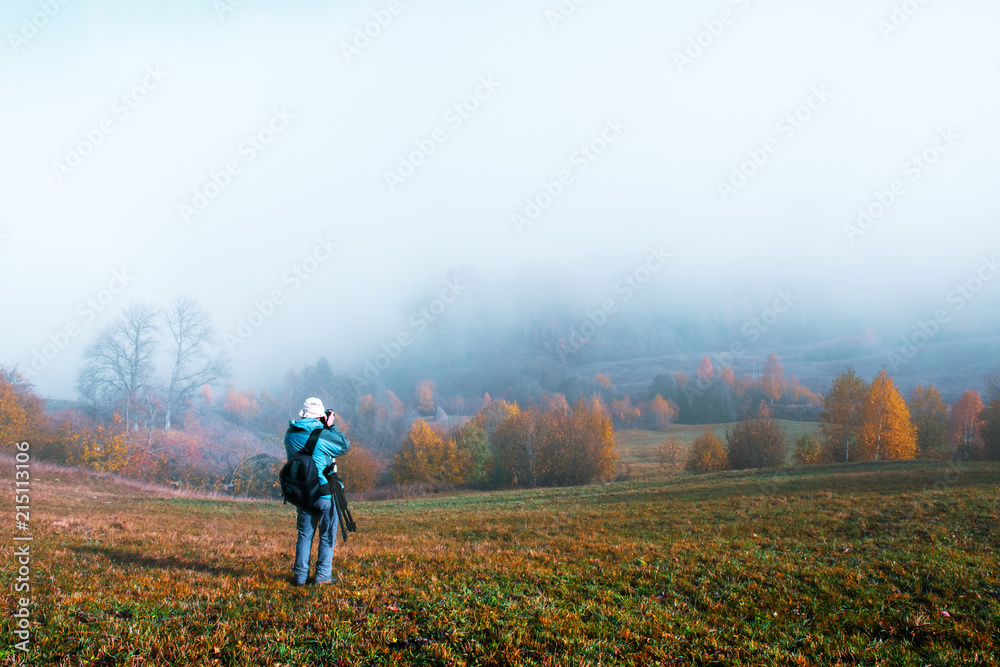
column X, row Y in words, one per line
column 323, row 518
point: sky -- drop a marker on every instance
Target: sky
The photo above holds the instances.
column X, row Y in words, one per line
column 328, row 166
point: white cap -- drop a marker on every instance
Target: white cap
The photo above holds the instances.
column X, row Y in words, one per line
column 313, row 407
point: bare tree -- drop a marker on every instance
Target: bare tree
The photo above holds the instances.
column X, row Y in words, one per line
column 118, row 365
column 195, row 364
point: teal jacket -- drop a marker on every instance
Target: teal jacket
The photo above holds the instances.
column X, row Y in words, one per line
column 331, row 444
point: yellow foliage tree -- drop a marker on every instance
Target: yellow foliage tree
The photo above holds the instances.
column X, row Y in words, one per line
column 22, row 412
column 106, row 448
column 661, row 413
column 426, row 457
column 425, row 396
column 887, row 433
column 494, row 413
column 359, row 469
column 707, row 454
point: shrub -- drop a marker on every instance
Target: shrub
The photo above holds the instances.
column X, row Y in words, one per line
column 706, row 454
column 670, row 456
column 757, row 442
column 807, row 452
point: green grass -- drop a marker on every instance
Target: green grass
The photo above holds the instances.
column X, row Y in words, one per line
column 637, row 447
column 867, row 564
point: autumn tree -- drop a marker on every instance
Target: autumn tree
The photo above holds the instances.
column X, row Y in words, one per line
column 773, row 380
column 240, row 406
column 556, row 402
column 590, row 442
column 425, row 397
column 624, row 412
column 538, row 447
column 102, row 447
column 661, row 413
column 990, row 429
column 705, row 371
column 756, row 442
column 842, row 416
column 930, row 418
column 728, row 377
column 964, row 423
column 603, row 380
column 494, row 413
column 377, row 420
column 22, row 411
column 359, row 469
column 887, row 432
column 474, row 453
column 518, row 443
column 194, row 363
column 706, row 454
column 426, row 457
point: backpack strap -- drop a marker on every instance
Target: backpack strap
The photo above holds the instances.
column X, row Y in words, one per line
column 310, row 447
column 311, row 442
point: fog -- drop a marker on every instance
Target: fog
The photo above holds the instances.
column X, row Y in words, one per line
column 238, row 152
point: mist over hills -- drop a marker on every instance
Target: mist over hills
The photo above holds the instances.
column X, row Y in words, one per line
column 526, row 336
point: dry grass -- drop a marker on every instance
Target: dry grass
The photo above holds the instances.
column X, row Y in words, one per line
column 828, row 565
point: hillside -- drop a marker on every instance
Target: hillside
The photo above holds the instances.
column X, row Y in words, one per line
column 637, row 447
column 893, row 564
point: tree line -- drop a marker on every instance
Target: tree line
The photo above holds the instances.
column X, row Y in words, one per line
column 860, row 421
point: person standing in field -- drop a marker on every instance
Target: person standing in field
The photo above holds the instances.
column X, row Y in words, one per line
column 322, row 519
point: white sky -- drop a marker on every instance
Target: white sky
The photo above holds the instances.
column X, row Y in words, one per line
column 60, row 241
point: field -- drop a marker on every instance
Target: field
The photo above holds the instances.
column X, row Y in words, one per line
column 888, row 564
column 637, row 448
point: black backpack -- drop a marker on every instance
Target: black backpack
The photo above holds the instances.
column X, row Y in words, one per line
column 299, row 478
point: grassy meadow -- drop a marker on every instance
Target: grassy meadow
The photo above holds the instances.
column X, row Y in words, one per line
column 866, row 564
column 637, row 447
